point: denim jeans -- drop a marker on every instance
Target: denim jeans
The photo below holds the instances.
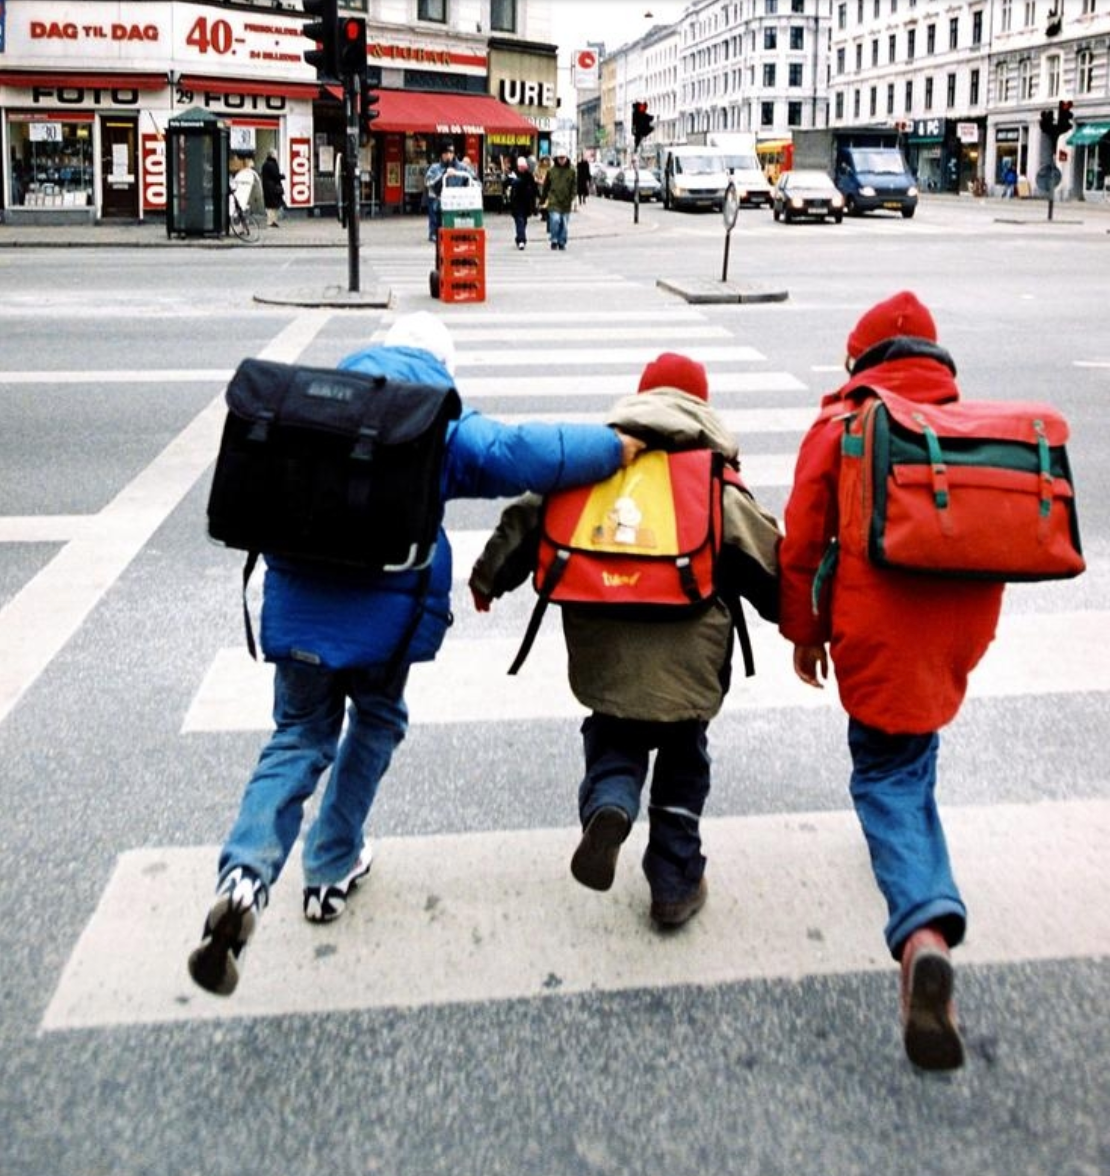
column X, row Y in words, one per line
column 557, row 223
column 893, row 784
column 520, row 220
column 434, row 218
column 617, row 752
column 308, row 718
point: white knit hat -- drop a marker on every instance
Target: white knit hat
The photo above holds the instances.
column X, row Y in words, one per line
column 422, row 329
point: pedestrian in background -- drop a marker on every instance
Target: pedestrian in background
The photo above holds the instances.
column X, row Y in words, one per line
column 651, row 685
column 248, row 188
column 523, row 198
column 582, row 171
column 903, row 646
column 1009, row 181
column 434, row 179
column 340, row 635
column 559, row 189
column 273, row 189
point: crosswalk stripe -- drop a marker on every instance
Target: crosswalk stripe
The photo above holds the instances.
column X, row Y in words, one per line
column 1035, row 654
column 612, row 385
column 493, row 916
column 592, row 357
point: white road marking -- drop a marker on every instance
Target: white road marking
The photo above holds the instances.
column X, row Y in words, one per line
column 1035, row 654
column 481, row 917
column 614, row 386
column 38, row 621
column 594, row 357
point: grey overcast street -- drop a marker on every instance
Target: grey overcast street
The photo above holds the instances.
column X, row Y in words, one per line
column 476, row 1012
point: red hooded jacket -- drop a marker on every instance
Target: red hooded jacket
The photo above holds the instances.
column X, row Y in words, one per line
column 902, row 645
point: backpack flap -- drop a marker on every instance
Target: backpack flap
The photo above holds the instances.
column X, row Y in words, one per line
column 976, row 489
column 334, row 466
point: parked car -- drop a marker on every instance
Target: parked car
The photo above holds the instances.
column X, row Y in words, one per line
column 806, row 193
column 603, row 179
column 624, row 182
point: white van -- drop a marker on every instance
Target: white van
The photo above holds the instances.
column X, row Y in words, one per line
column 694, row 177
column 743, row 166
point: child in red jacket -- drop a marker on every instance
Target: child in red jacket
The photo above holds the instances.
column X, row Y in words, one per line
column 903, row 647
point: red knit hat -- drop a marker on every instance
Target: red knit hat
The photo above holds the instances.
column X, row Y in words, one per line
column 902, row 314
column 671, row 370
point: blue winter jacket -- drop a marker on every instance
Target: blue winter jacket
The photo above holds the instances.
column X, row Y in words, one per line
column 342, row 617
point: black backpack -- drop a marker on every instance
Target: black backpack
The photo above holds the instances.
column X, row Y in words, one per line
column 333, row 467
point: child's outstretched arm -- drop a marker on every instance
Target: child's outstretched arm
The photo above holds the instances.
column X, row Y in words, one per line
column 509, row 556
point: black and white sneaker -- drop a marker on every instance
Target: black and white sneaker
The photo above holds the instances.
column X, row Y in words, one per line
column 240, row 899
column 322, row 904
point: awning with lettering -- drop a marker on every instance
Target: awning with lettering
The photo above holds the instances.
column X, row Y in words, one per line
column 200, row 85
column 83, row 81
column 445, row 114
column 1092, row 132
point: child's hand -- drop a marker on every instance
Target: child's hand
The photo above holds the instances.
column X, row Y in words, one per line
column 482, row 602
column 631, row 447
column 811, row 664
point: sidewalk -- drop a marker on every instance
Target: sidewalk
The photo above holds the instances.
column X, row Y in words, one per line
column 592, row 221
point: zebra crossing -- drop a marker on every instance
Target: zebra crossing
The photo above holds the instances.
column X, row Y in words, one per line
column 495, row 910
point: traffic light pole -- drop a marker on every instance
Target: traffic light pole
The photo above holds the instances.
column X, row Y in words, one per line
column 351, row 193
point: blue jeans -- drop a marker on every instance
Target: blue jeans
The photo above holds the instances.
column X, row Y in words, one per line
column 557, row 223
column 434, row 218
column 308, row 717
column 893, row 784
column 617, row 753
column 520, row 220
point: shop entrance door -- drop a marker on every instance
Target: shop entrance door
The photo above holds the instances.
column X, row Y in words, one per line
column 119, row 180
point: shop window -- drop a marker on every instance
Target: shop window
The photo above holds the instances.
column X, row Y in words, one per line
column 52, row 162
column 432, row 10
column 502, row 16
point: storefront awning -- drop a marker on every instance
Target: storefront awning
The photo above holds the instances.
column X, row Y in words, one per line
column 199, row 85
column 83, row 81
column 445, row 114
column 1089, row 133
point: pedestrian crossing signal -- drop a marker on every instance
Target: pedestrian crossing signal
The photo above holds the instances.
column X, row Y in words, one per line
column 642, row 122
column 366, row 113
column 325, row 32
column 352, row 47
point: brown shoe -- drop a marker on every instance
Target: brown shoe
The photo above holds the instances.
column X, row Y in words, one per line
column 930, row 1033
column 674, row 914
column 594, row 863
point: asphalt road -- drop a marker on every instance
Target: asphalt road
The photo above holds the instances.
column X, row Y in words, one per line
column 475, row 1012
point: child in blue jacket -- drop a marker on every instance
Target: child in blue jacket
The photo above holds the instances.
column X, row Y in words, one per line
column 337, row 635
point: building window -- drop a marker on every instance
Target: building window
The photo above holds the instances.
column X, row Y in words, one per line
column 930, row 40
column 911, row 43
column 928, row 94
column 840, row 59
column 973, row 87
column 795, row 73
column 838, row 104
column 766, row 114
column 1006, row 16
column 432, row 10
column 977, row 27
column 771, row 7
column 1005, row 82
column 1052, row 75
column 1088, row 7
column 502, row 16
column 872, row 102
column 797, row 37
column 1030, row 13
column 874, row 53
column 954, row 33
column 950, row 91
column 859, row 57
column 797, row 5
column 909, row 95
column 793, row 114
column 770, row 38
column 1085, row 71
column 891, row 48
column 890, row 98
column 855, row 102
column 842, row 16
column 769, row 73
column 1027, row 80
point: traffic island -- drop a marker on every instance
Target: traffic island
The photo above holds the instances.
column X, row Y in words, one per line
column 338, row 297
column 701, row 290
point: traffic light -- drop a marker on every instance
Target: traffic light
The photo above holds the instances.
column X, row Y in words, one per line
column 1064, row 118
column 367, row 100
column 1048, row 123
column 352, row 47
column 325, row 32
column 642, row 122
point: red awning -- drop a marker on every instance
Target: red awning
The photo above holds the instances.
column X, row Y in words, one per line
column 84, row 81
column 242, row 86
column 445, row 114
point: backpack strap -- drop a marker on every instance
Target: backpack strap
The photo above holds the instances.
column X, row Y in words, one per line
column 248, row 570
column 554, row 575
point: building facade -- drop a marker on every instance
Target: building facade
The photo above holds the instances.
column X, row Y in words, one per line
column 85, row 99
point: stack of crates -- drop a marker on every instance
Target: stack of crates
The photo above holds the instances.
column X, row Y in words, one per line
column 461, row 265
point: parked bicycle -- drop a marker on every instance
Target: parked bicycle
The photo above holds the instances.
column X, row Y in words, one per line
column 244, row 224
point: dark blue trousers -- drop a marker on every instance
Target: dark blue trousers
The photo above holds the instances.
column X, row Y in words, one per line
column 617, row 759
